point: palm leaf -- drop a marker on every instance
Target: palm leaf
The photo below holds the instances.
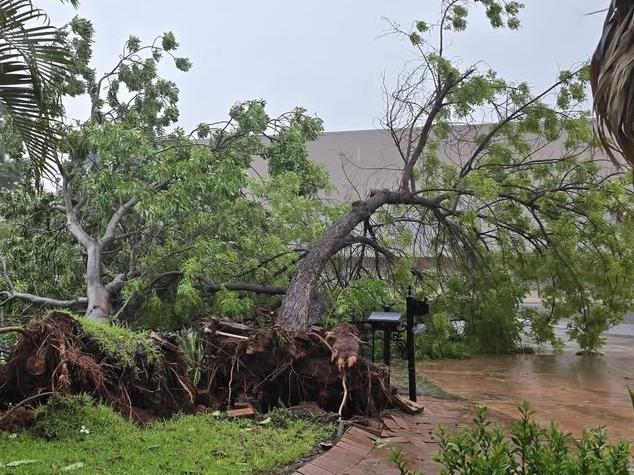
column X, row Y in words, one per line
column 32, row 58
column 612, row 80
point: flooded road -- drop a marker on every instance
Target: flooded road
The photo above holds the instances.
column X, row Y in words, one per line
column 575, row 391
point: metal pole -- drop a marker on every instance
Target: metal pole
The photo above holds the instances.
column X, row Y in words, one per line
column 386, row 346
column 411, row 361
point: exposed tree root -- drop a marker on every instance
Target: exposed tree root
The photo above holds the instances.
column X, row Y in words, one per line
column 57, row 355
column 271, row 367
column 266, row 367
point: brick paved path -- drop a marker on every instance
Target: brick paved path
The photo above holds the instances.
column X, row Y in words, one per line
column 361, row 452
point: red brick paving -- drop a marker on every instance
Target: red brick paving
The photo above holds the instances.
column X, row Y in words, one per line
column 358, row 453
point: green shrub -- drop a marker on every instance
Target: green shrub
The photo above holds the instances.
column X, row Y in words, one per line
column 529, row 449
column 75, row 417
column 7, row 342
column 192, row 347
column 440, row 340
column 490, row 311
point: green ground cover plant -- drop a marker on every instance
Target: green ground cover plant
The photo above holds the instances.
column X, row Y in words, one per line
column 77, row 435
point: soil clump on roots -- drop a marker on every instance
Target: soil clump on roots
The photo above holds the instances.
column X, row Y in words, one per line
column 146, row 375
column 270, row 367
column 141, row 375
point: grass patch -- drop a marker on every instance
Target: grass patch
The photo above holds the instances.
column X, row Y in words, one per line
column 79, row 437
column 119, row 343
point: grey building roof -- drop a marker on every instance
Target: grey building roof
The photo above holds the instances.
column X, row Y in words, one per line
column 361, row 160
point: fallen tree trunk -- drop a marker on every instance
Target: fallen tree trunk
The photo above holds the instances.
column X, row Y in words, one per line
column 294, row 313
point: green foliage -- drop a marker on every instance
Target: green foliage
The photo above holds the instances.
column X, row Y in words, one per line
column 489, row 308
column 505, row 222
column 440, row 340
column 484, row 448
column 232, row 304
column 192, row 221
column 501, row 14
column 34, row 61
column 111, row 445
column 191, row 345
column 7, row 342
column 360, row 298
column 288, row 152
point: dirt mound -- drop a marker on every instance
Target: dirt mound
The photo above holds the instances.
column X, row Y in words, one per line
column 142, row 377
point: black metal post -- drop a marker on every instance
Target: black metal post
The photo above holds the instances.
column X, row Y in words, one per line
column 387, row 336
column 373, row 344
column 411, row 357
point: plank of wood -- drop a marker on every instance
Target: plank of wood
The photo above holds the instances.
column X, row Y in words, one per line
column 404, row 404
column 234, row 325
column 231, row 335
column 248, row 411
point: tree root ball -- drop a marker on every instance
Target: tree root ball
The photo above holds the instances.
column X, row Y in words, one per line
column 269, row 367
column 145, row 376
column 137, row 374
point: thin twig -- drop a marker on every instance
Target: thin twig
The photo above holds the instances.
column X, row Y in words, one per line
column 25, row 401
column 13, row 330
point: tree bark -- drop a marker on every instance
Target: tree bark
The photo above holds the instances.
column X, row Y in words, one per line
column 99, row 306
column 294, row 312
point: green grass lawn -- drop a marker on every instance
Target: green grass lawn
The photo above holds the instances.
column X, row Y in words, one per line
column 196, row 444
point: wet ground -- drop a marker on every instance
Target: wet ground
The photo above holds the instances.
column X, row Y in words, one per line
column 575, row 391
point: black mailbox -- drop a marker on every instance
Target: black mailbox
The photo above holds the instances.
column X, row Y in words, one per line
column 393, row 326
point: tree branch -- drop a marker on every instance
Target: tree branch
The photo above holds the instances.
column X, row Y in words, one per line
column 13, row 330
column 493, row 132
column 248, row 287
column 108, row 235
column 116, row 283
column 438, row 105
column 72, row 220
column 45, row 301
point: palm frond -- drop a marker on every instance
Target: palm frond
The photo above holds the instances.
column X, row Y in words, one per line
column 32, row 58
column 612, row 80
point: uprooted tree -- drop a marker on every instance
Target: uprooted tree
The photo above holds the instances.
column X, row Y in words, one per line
column 500, row 185
column 131, row 194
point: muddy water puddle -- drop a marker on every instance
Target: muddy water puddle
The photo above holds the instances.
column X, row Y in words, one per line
column 574, row 391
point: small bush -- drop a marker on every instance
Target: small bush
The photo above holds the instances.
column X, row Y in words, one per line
column 528, row 449
column 192, row 347
column 7, row 342
column 440, row 340
column 74, row 417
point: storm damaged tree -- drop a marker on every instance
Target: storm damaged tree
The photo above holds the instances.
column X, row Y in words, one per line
column 127, row 184
column 497, row 183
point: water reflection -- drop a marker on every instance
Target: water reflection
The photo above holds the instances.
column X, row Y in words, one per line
column 575, row 391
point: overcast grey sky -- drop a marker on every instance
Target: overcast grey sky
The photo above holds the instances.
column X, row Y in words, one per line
column 326, row 55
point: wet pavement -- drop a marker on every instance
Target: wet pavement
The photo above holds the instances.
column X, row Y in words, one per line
column 573, row 390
